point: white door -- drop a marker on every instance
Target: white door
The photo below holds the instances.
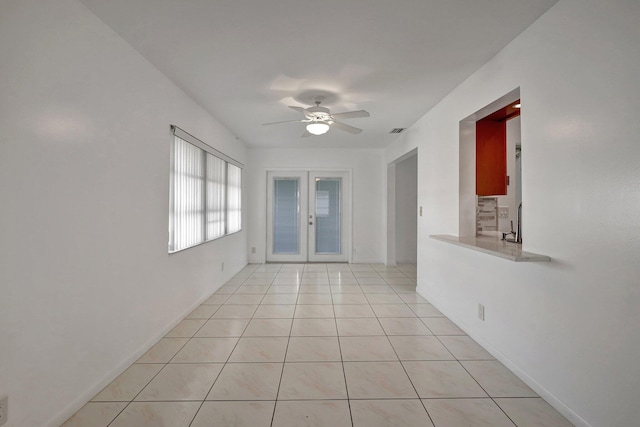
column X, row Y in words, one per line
column 307, row 216
column 327, row 207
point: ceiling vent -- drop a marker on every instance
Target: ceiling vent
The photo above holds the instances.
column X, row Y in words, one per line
column 398, row 130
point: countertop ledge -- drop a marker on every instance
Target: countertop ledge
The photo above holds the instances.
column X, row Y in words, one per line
column 493, row 246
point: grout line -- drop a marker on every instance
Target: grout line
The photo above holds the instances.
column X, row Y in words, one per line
column 488, row 394
column 407, row 374
column 286, row 350
column 344, row 374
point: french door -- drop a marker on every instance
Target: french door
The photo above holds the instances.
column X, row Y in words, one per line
column 307, row 216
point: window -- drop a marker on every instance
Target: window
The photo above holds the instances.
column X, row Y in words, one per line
column 205, row 193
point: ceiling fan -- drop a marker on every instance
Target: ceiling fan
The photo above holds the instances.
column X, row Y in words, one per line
column 319, row 120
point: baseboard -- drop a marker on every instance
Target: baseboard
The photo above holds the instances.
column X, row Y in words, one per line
column 548, row 396
column 366, row 261
column 85, row 397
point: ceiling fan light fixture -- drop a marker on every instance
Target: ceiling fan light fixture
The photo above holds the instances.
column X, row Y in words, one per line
column 317, row 128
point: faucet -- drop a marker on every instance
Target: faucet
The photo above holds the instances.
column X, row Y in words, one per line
column 512, row 233
column 516, row 236
column 519, row 229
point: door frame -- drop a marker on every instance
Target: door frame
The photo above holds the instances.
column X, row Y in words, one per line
column 392, row 208
column 347, row 216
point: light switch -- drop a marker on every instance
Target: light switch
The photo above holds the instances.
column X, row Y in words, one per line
column 503, row 211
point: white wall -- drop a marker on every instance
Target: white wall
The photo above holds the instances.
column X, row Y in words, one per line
column 406, row 224
column 368, row 194
column 568, row 327
column 87, row 284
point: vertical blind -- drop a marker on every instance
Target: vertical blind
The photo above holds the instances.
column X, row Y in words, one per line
column 187, row 177
column 215, row 197
column 205, row 196
column 286, row 216
column 328, row 216
column 234, row 198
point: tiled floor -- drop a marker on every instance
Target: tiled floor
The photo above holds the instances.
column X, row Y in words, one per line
column 317, row 345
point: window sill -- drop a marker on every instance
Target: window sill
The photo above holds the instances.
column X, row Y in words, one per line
column 493, row 246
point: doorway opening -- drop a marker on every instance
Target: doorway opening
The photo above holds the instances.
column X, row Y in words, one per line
column 402, row 210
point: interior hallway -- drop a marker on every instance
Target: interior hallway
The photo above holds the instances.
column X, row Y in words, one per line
column 317, row 345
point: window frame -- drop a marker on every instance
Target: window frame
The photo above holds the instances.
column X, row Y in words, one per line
column 207, row 150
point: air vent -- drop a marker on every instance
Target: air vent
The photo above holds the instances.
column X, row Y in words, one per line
column 398, row 130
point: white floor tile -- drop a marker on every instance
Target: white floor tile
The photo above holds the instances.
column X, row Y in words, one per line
column 153, row 414
column 442, row 379
column 389, row 413
column 532, row 413
column 367, row 349
column 95, row 414
column 128, row 384
column 312, row 380
column 378, row 380
column 466, row 413
column 247, row 381
column 313, row 349
column 497, row 380
column 205, row 350
column 464, row 348
column 223, row 328
column 253, row 349
column 314, row 413
column 236, row 414
column 181, row 382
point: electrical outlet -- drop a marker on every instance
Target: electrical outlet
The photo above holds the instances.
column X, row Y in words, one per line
column 4, row 409
column 253, row 249
column 503, row 211
column 222, row 269
column 481, row 312
column 420, row 210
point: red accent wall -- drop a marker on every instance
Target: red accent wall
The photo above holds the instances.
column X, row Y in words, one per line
column 491, row 158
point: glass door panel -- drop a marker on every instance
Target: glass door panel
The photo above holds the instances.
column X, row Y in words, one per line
column 286, row 216
column 328, row 216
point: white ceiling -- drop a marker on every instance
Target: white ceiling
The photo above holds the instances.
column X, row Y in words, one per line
column 245, row 61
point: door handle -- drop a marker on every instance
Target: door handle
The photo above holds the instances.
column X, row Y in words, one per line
column 310, row 223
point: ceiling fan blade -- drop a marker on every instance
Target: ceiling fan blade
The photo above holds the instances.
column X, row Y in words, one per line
column 345, row 127
column 302, row 110
column 286, row 121
column 352, row 114
column 305, row 134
